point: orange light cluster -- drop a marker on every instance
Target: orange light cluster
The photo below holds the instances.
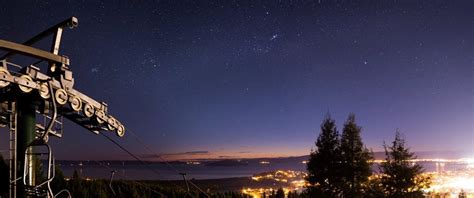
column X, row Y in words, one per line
column 290, row 180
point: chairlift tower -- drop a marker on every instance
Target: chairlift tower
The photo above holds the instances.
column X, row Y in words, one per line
column 27, row 94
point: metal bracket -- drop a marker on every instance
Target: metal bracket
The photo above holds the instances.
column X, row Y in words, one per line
column 56, row 30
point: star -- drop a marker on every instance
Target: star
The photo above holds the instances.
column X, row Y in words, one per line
column 296, row 56
column 275, row 36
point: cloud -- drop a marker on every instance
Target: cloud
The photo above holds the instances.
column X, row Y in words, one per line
column 196, row 153
column 229, row 156
column 187, row 153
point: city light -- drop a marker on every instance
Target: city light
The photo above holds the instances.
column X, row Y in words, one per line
column 445, row 180
column 289, row 181
column 264, row 162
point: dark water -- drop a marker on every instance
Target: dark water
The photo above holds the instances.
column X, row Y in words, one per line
column 164, row 172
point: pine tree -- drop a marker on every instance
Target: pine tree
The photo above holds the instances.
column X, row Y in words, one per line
column 401, row 178
column 59, row 182
column 280, row 193
column 324, row 161
column 76, row 185
column 356, row 165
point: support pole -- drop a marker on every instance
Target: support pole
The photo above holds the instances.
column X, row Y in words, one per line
column 13, row 146
column 26, row 134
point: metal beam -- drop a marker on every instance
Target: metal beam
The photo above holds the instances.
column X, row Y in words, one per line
column 70, row 23
column 13, row 148
column 33, row 52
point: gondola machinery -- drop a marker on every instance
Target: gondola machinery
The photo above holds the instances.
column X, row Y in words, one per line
column 27, row 93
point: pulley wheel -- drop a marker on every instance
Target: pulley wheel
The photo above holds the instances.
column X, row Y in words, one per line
column 99, row 116
column 3, row 71
column 44, row 91
column 88, row 110
column 110, row 123
column 61, row 96
column 28, row 80
column 75, row 103
column 120, row 131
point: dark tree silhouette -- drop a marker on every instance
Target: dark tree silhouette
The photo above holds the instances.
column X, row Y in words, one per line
column 323, row 172
column 400, row 177
column 280, row 193
column 58, row 183
column 462, row 194
column 356, row 165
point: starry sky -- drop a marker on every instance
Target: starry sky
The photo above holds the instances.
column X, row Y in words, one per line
column 230, row 79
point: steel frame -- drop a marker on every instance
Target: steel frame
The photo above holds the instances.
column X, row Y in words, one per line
column 43, row 92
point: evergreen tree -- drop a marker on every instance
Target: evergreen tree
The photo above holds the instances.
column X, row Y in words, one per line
column 324, row 162
column 356, row 165
column 374, row 187
column 400, row 177
column 77, row 189
column 59, row 182
column 280, row 193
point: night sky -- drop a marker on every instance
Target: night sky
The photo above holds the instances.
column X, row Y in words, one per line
column 223, row 79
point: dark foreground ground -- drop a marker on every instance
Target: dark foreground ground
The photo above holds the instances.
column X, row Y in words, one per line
column 231, row 187
column 221, row 185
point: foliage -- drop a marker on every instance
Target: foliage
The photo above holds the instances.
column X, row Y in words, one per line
column 294, row 194
column 58, row 182
column 85, row 188
column 400, row 177
column 356, row 166
column 339, row 166
column 126, row 188
column 323, row 174
column 280, row 193
column 374, row 187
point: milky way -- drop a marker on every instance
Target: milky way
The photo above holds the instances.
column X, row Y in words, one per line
column 255, row 79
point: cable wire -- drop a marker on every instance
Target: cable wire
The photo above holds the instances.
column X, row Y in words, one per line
column 130, row 153
column 134, row 156
column 161, row 158
column 152, row 152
